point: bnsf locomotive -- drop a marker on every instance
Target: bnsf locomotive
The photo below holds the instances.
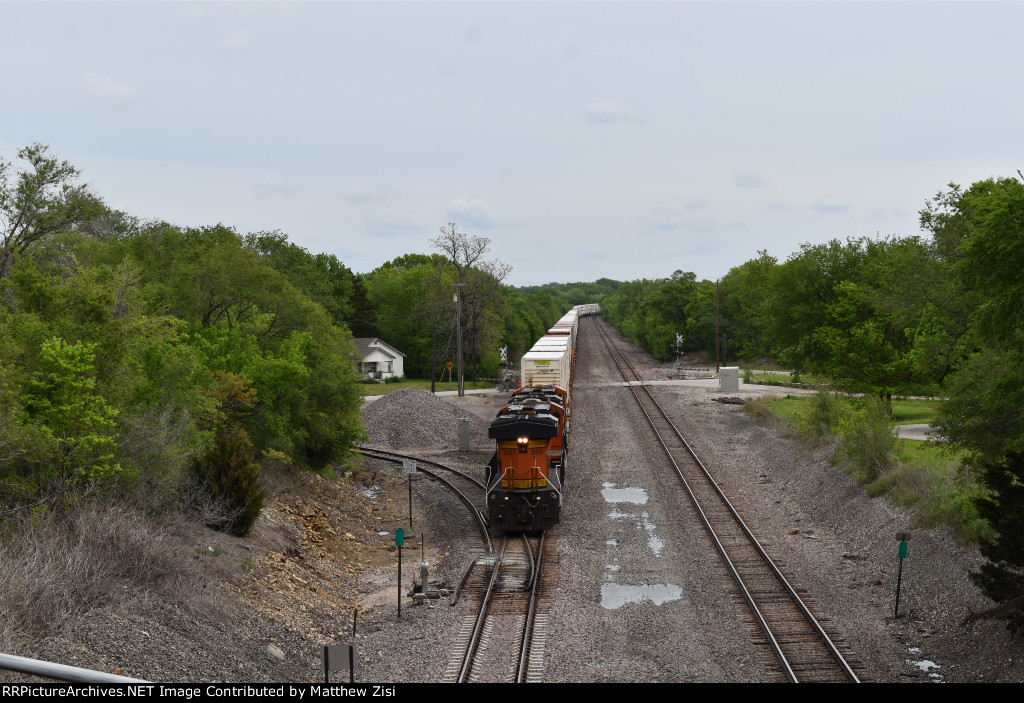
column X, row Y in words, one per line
column 526, row 474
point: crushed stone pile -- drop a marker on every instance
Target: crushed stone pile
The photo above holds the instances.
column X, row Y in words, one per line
column 411, row 417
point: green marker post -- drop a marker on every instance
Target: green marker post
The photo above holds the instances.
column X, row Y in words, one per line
column 399, row 541
column 903, row 537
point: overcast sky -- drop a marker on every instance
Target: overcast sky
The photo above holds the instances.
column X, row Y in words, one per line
column 585, row 139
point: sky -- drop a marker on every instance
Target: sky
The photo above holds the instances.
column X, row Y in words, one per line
column 584, row 139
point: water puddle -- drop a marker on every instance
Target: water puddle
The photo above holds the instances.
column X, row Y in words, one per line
column 615, row 595
column 642, row 522
column 369, row 492
column 925, row 665
column 613, row 494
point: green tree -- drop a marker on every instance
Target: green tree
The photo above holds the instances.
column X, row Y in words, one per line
column 981, row 231
column 1001, row 577
column 45, row 200
column 60, row 397
column 745, row 293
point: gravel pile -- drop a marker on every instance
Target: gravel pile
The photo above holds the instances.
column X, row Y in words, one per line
column 413, row 418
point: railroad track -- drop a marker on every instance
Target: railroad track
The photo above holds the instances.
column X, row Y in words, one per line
column 801, row 646
column 462, row 479
column 504, row 642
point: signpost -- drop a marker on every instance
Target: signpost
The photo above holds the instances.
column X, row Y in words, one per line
column 903, row 538
column 409, row 467
column 399, row 541
column 339, row 657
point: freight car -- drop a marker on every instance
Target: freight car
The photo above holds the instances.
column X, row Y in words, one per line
column 525, row 477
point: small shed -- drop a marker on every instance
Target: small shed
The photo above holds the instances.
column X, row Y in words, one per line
column 378, row 359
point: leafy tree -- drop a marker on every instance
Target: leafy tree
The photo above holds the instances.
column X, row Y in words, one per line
column 1001, row 578
column 745, row 294
column 981, row 231
column 60, row 397
column 45, row 200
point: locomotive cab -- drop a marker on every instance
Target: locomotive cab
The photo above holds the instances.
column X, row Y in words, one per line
column 524, row 482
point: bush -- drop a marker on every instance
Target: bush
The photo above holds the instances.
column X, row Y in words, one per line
column 228, row 474
column 823, row 418
column 868, row 441
column 394, row 379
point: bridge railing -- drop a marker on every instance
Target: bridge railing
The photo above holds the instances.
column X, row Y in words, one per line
column 61, row 672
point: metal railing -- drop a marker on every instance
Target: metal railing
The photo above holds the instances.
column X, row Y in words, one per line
column 61, row 672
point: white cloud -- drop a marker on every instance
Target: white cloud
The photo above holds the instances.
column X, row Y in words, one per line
column 611, row 113
column 107, row 93
column 665, row 220
column 395, row 224
column 472, row 213
column 829, row 205
column 362, row 195
column 749, row 179
column 272, row 185
column 237, row 43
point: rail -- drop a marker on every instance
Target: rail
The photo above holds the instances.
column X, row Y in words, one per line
column 812, row 622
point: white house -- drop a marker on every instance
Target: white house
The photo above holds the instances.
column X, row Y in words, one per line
column 379, row 359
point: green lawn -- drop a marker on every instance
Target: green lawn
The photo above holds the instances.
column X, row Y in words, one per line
column 423, row 384
column 904, row 411
column 912, row 412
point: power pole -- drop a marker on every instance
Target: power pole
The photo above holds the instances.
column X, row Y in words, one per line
column 718, row 337
column 458, row 336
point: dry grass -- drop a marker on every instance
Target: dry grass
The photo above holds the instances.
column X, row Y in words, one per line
column 57, row 566
column 760, row 409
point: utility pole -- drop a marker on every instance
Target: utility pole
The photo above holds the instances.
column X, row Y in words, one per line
column 718, row 337
column 433, row 360
column 458, row 336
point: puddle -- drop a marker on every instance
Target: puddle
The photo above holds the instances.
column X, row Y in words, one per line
column 384, row 533
column 653, row 541
column 615, row 595
column 925, row 665
column 642, row 522
column 623, row 495
column 370, row 492
column 612, row 542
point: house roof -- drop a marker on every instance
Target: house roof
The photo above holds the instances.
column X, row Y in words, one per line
column 366, row 345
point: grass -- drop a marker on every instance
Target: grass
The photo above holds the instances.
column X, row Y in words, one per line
column 905, row 411
column 777, row 379
column 913, row 411
column 422, row 384
column 926, row 477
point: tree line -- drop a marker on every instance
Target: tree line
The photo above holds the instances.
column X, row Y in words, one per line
column 939, row 315
column 176, row 361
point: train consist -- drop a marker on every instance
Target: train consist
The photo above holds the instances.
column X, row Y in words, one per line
column 526, row 474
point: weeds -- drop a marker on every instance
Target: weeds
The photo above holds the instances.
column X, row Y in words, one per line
column 867, row 440
column 822, row 419
column 58, row 566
